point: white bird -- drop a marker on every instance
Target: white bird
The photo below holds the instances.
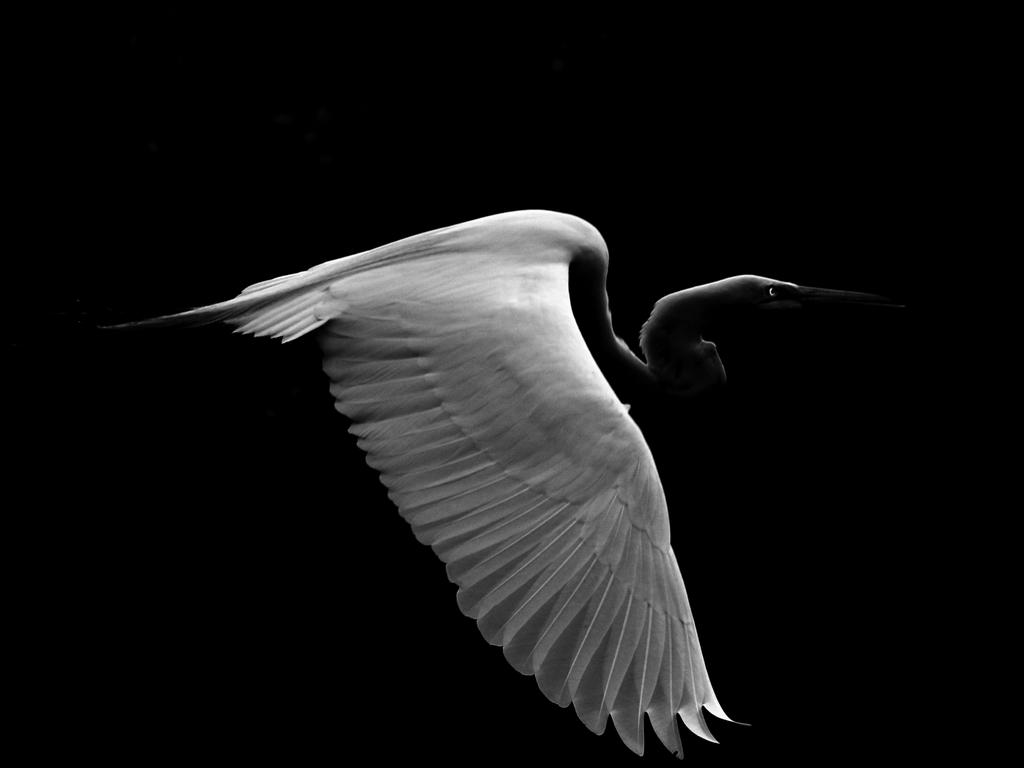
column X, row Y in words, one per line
column 457, row 357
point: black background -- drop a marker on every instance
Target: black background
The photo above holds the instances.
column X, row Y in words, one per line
column 228, row 578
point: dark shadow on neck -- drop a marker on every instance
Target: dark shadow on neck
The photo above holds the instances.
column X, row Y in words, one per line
column 628, row 375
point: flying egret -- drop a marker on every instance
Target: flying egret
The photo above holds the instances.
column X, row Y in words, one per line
column 469, row 385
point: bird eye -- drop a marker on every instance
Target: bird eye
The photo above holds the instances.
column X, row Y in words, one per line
column 771, row 290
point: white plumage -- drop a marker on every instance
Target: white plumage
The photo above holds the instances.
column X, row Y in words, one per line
column 457, row 358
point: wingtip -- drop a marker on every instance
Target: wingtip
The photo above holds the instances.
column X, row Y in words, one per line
column 132, row 326
column 694, row 720
column 120, row 326
column 180, row 319
column 716, row 709
column 630, row 729
column 668, row 735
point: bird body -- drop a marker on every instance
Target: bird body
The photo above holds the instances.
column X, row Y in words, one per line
column 458, row 359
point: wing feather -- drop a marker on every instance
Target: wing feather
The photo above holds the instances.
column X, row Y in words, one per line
column 457, row 358
column 511, row 627
column 590, row 668
column 562, row 638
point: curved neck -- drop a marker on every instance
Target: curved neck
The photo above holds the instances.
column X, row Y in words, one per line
column 626, row 372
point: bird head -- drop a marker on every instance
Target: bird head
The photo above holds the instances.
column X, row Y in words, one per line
column 683, row 361
column 766, row 293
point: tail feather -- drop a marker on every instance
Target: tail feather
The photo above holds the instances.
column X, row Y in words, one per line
column 272, row 282
column 287, row 310
column 260, row 301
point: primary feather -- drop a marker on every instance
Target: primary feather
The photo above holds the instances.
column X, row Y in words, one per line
column 470, row 388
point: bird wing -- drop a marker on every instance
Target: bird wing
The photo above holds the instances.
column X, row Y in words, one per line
column 471, row 390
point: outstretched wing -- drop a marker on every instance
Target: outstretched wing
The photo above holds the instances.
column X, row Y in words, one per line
column 471, row 390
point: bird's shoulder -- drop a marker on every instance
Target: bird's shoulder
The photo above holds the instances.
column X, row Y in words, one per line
column 534, row 229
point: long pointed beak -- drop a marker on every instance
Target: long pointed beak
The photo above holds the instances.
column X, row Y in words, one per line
column 828, row 296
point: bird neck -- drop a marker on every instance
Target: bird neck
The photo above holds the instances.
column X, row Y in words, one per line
column 628, row 375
